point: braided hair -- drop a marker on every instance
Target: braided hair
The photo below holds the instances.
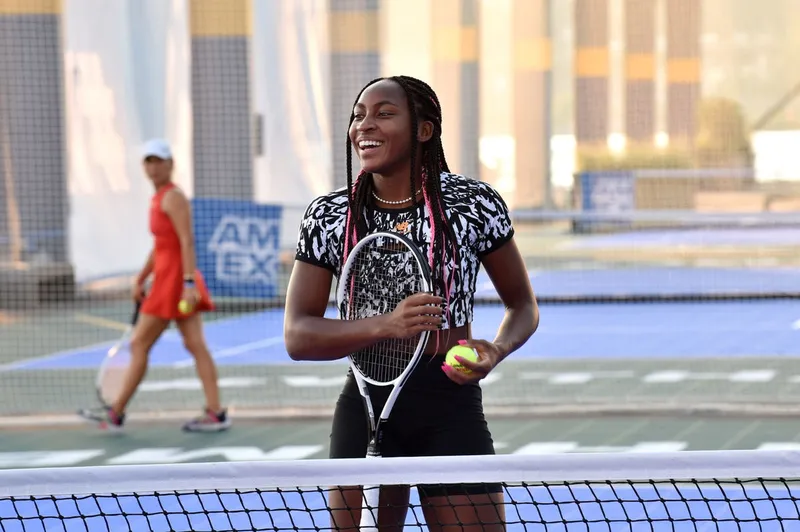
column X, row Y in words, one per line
column 423, row 105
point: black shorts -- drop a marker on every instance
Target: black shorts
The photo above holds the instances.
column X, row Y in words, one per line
column 433, row 416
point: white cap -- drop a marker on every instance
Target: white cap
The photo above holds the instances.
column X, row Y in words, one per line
column 157, row 148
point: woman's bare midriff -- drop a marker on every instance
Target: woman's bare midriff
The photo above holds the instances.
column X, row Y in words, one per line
column 447, row 339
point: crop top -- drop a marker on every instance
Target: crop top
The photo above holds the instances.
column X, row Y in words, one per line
column 477, row 213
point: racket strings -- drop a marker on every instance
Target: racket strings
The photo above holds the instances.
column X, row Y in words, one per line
column 113, row 372
column 383, row 274
column 386, row 361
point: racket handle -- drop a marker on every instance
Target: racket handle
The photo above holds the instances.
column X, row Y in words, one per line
column 137, row 308
column 369, row 513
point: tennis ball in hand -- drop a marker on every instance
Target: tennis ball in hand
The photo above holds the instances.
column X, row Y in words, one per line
column 464, row 352
column 184, row 307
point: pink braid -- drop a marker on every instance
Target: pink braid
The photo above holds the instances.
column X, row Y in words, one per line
column 451, row 277
column 347, row 235
column 429, row 208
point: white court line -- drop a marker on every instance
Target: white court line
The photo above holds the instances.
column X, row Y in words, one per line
column 100, row 322
column 796, row 325
column 233, row 351
column 22, row 364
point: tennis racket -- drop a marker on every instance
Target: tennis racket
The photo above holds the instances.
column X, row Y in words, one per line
column 112, row 370
column 382, row 270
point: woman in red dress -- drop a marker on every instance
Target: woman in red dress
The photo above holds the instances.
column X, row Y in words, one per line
column 172, row 263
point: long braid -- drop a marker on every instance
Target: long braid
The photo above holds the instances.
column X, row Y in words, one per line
column 424, row 103
column 356, row 193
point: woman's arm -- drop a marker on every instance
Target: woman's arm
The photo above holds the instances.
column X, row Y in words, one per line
column 147, row 269
column 307, row 333
column 310, row 336
column 137, row 290
column 508, row 273
column 177, row 207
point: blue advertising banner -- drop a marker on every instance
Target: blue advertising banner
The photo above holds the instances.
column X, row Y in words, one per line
column 606, row 192
column 237, row 245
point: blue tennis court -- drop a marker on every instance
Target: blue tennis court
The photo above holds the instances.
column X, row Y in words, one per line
column 668, row 330
column 653, row 330
column 618, row 507
column 660, row 281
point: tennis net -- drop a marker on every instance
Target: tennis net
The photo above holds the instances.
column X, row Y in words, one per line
column 724, row 491
column 658, row 256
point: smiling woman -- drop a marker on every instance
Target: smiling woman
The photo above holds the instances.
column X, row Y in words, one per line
column 459, row 224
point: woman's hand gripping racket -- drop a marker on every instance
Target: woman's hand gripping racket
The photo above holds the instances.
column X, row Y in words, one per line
column 115, row 364
column 386, row 273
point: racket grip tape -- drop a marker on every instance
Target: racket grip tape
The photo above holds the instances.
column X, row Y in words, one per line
column 137, row 307
column 371, row 495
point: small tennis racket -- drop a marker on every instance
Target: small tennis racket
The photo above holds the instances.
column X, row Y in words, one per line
column 381, row 271
column 112, row 370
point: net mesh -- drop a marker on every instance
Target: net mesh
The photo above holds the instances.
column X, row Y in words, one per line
column 692, row 491
column 646, row 149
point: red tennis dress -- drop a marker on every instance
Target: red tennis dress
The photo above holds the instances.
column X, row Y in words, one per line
column 165, row 293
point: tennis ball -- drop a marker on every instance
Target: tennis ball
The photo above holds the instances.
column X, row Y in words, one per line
column 184, row 307
column 463, row 351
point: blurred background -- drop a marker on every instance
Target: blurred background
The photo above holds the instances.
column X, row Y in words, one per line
column 647, row 148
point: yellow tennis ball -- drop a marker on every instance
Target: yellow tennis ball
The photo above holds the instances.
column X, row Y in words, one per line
column 463, row 351
column 184, row 307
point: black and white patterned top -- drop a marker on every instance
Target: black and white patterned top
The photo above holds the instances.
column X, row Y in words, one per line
column 477, row 213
